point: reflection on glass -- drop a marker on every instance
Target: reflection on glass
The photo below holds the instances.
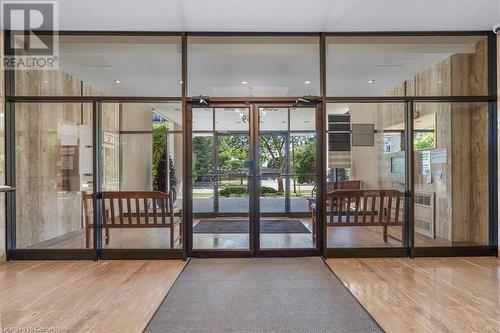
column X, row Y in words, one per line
column 303, row 171
column 142, row 151
column 202, row 173
column 109, row 66
column 273, row 119
column 407, row 66
column 287, row 166
column 451, row 168
column 54, row 166
column 253, row 66
column 233, row 181
column 221, row 149
column 365, row 160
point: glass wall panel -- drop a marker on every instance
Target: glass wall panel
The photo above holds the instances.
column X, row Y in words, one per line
column 253, row 66
column 302, row 171
column 203, row 179
column 142, row 175
column 54, row 168
column 108, row 66
column 451, row 174
column 365, row 163
column 407, row 66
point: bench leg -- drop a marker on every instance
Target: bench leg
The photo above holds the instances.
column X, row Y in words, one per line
column 313, row 224
column 106, row 238
column 172, row 229
column 87, row 236
column 403, row 235
column 385, row 233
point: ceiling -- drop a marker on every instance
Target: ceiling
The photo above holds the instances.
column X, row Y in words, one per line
column 279, row 15
column 252, row 66
column 277, row 66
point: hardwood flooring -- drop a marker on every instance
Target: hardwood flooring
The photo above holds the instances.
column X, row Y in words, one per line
column 83, row 296
column 403, row 295
column 426, row 294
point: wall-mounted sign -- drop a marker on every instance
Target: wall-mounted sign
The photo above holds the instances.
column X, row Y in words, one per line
column 108, row 140
column 424, row 162
column 85, row 132
column 439, row 156
column 68, row 134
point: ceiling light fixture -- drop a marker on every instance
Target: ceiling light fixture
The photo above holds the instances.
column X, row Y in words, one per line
column 118, row 81
column 180, row 82
column 244, row 82
column 371, row 81
column 307, row 82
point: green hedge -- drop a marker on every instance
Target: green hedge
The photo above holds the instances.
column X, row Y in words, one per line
column 237, row 191
column 267, row 190
column 232, row 190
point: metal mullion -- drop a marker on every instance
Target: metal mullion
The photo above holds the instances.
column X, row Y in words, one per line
column 492, row 143
column 10, row 177
column 266, row 33
column 90, row 99
column 97, row 177
column 493, row 175
column 321, row 153
column 286, row 137
column 251, row 34
column 403, row 99
column 111, row 33
column 217, row 178
column 409, row 179
column 187, row 139
column 256, row 179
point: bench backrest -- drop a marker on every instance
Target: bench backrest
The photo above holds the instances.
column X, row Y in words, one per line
column 365, row 207
column 343, row 185
column 135, row 208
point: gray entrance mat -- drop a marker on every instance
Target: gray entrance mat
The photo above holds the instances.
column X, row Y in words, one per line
column 242, row 227
column 260, row 295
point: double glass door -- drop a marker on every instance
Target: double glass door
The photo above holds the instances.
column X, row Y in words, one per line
column 253, row 179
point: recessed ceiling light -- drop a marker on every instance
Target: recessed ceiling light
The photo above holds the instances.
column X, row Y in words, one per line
column 180, row 82
column 371, row 81
column 45, row 81
column 118, row 81
column 244, row 82
column 307, row 82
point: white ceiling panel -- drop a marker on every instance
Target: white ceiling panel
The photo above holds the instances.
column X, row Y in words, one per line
column 279, row 15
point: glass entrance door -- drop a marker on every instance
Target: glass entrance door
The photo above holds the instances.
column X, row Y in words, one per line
column 286, row 177
column 253, row 176
column 220, row 178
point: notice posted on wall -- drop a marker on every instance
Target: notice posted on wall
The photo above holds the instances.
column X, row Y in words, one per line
column 68, row 134
column 439, row 156
column 108, row 140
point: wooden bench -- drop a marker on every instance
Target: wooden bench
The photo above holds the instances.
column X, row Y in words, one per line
column 356, row 208
column 133, row 209
column 331, row 186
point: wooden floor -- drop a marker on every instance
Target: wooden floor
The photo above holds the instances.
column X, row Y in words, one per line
column 404, row 295
column 83, row 296
column 426, row 294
